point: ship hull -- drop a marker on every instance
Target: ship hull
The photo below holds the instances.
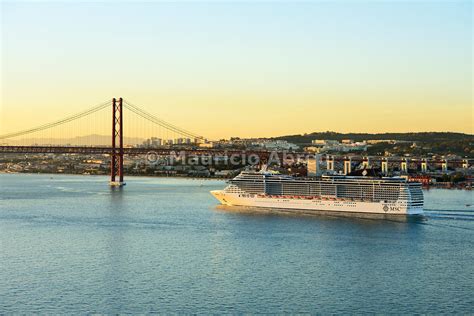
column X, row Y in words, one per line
column 316, row 205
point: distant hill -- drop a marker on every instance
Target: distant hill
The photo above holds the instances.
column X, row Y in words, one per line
column 425, row 137
column 440, row 143
column 90, row 140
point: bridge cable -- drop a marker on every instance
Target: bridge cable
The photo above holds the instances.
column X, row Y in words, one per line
column 150, row 117
column 59, row 122
column 158, row 121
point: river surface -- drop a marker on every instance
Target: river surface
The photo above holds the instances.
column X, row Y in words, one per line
column 70, row 244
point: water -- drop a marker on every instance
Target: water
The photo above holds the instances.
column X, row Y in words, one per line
column 71, row 244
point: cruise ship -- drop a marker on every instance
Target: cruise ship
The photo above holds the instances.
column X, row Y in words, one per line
column 355, row 194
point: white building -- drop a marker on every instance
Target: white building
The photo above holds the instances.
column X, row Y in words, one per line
column 347, row 145
column 206, row 145
column 276, row 145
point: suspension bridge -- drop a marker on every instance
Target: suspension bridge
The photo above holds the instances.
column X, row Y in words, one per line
column 60, row 136
column 128, row 126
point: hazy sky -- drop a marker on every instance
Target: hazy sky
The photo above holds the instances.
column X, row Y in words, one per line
column 242, row 68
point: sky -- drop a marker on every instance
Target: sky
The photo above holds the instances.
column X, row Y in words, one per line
column 248, row 69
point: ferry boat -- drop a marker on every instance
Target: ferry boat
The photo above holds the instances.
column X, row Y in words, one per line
column 356, row 194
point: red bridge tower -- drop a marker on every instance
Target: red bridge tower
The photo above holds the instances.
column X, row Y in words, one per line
column 116, row 164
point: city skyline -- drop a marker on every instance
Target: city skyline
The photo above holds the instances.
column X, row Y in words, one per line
column 248, row 70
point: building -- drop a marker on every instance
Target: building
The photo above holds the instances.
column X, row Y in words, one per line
column 275, row 144
column 324, row 142
column 346, row 145
column 155, row 142
column 313, row 149
column 206, row 145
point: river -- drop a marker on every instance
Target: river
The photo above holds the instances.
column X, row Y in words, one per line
column 71, row 244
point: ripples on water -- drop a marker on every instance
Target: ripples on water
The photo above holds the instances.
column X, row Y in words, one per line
column 71, row 244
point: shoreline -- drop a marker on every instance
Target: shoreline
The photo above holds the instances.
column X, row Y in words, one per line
column 106, row 176
column 444, row 186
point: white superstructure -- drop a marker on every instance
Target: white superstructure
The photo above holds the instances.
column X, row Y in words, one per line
column 327, row 193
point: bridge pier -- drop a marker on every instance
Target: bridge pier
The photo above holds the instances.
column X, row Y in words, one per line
column 465, row 164
column 313, row 166
column 404, row 166
column 424, row 166
column 444, row 166
column 366, row 162
column 384, row 165
column 330, row 163
column 347, row 165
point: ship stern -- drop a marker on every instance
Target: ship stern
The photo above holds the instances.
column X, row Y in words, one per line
column 415, row 210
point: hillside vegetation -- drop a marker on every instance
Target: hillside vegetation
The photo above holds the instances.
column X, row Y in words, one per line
column 441, row 143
